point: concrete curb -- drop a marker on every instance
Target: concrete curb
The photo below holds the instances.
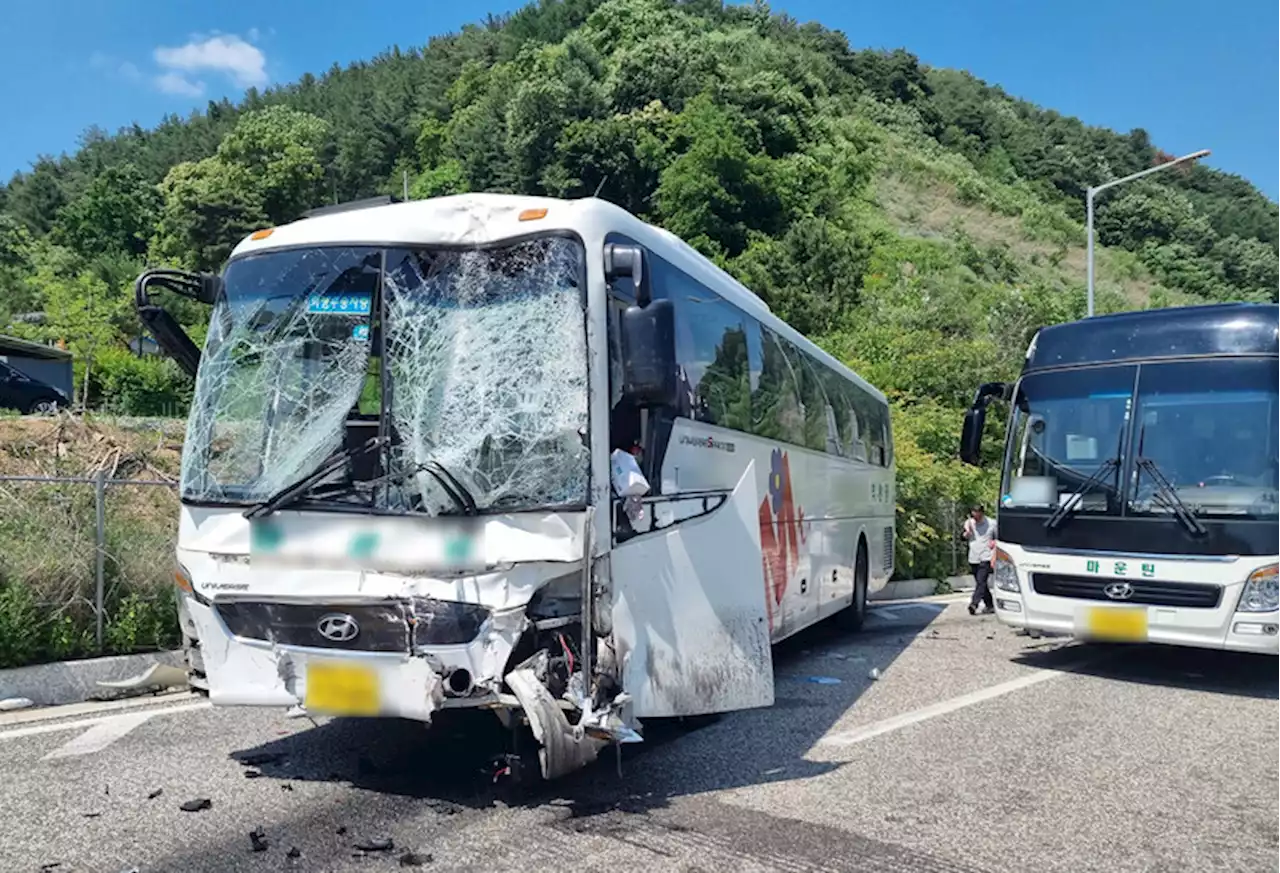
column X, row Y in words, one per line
column 909, row 589
column 77, row 681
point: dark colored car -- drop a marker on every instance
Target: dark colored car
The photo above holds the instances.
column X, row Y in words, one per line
column 19, row 391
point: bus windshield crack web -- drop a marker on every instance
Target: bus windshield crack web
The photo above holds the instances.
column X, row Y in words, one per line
column 487, row 355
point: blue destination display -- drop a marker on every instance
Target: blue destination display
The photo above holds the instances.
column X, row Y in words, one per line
column 340, row 304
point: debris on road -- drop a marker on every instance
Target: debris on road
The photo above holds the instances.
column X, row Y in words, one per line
column 874, row 674
column 774, row 772
column 382, row 844
column 286, row 787
column 252, row 774
column 258, row 840
column 413, row 859
column 197, row 805
column 10, row 704
column 340, row 831
column 91, row 814
column 153, row 795
column 824, row 680
column 294, row 853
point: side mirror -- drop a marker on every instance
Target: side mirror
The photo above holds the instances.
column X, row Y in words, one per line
column 975, row 419
column 971, row 435
column 649, row 354
column 628, row 262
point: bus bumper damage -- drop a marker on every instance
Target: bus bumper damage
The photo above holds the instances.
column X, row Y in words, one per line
column 248, row 658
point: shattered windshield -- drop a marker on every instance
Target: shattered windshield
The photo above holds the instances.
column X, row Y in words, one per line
column 488, row 361
column 485, row 361
column 282, row 367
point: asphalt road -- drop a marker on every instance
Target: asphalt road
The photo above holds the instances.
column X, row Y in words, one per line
column 974, row 750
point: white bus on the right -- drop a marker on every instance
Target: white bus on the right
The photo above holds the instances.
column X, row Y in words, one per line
column 1138, row 498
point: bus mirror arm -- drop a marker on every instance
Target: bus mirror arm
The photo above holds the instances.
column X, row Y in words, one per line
column 168, row 333
column 628, row 262
column 975, row 420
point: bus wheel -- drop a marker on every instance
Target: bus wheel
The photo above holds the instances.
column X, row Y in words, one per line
column 853, row 617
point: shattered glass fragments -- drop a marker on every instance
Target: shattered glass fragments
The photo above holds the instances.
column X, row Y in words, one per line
column 283, row 365
column 487, row 352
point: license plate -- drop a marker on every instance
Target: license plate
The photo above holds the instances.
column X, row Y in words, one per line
column 342, row 689
column 1117, row 624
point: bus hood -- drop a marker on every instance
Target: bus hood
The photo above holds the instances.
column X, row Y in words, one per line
column 397, row 544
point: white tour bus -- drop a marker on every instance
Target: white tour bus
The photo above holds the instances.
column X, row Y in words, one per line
column 413, row 420
column 1139, row 492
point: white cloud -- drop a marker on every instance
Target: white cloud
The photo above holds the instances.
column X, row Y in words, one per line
column 106, row 63
column 223, row 53
column 176, row 83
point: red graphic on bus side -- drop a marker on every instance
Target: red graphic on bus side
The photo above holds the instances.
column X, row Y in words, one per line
column 781, row 525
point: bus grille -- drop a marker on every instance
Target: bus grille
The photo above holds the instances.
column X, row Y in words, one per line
column 1147, row 592
column 383, row 627
column 887, row 559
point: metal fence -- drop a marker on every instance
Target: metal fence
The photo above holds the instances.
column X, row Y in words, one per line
column 86, row 566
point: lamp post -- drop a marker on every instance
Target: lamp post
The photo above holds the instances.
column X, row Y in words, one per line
column 1091, row 192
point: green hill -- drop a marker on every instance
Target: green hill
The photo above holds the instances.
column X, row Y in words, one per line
column 917, row 222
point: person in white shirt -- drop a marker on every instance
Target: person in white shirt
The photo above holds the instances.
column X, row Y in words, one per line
column 980, row 531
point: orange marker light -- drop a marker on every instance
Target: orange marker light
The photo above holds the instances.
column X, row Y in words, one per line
column 262, row 234
column 533, row 214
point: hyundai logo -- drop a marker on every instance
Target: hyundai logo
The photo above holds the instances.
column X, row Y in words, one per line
column 338, row 626
column 1116, row 591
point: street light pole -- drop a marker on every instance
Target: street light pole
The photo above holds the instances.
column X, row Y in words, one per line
column 1090, row 193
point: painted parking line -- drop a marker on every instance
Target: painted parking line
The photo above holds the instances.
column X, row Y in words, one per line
column 102, row 730
column 924, row 713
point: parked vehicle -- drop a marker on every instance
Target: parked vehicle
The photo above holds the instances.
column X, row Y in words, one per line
column 29, row 396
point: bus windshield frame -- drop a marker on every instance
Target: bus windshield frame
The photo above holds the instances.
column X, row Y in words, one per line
column 1099, row 430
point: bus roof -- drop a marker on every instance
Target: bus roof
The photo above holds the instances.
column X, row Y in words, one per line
column 1177, row 332
column 482, row 218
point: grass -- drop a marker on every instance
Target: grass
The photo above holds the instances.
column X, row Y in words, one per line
column 48, row 530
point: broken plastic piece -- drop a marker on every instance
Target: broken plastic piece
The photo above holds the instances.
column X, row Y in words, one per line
column 155, row 676
column 381, row 844
column 197, row 805
column 258, row 840
column 824, row 680
column 11, row 703
column 294, row 853
column 413, row 859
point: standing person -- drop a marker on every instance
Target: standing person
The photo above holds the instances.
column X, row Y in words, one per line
column 980, row 531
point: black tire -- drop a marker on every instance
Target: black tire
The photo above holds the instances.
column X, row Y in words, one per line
column 855, row 615
column 43, row 407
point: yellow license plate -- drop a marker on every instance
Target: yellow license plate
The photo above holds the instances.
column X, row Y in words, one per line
column 342, row 689
column 1117, row 624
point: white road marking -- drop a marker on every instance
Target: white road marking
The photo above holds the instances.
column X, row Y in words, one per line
column 101, row 735
column 38, row 729
column 924, row 713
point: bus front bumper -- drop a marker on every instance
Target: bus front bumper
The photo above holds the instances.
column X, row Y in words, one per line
column 1221, row 628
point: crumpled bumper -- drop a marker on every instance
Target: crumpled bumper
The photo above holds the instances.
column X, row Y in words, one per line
column 251, row 673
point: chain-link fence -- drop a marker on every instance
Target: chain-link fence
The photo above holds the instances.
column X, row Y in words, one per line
column 86, row 566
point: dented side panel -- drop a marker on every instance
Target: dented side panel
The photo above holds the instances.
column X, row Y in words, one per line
column 689, row 620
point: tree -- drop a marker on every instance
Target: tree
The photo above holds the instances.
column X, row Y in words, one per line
column 281, row 153
column 115, row 213
column 208, row 207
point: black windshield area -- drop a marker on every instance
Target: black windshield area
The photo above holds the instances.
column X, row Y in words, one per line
column 1066, row 436
column 1209, row 429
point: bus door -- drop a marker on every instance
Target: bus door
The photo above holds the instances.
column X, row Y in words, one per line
column 689, row 622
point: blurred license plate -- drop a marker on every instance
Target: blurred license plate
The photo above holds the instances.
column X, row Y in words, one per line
column 341, row 688
column 1118, row 624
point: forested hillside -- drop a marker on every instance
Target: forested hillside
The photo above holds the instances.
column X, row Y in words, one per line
column 917, row 222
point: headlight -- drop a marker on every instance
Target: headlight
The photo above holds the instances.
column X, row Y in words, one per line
column 1006, row 573
column 182, row 578
column 1261, row 593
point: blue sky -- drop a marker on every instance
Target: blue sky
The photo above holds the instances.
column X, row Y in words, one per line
column 1195, row 75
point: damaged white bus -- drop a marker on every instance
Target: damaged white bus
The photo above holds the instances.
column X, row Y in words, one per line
column 397, row 497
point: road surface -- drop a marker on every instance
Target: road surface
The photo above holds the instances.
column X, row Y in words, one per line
column 974, row 750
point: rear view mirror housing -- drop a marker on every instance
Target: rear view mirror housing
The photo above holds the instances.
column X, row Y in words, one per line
column 975, row 420
column 628, row 262
column 649, row 354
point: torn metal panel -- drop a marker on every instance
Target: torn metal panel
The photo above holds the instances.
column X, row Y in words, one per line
column 689, row 621
column 564, row 747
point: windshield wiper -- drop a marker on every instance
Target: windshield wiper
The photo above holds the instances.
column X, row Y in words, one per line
column 1064, row 508
column 1166, row 492
column 1167, row 495
column 327, row 467
column 449, row 483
